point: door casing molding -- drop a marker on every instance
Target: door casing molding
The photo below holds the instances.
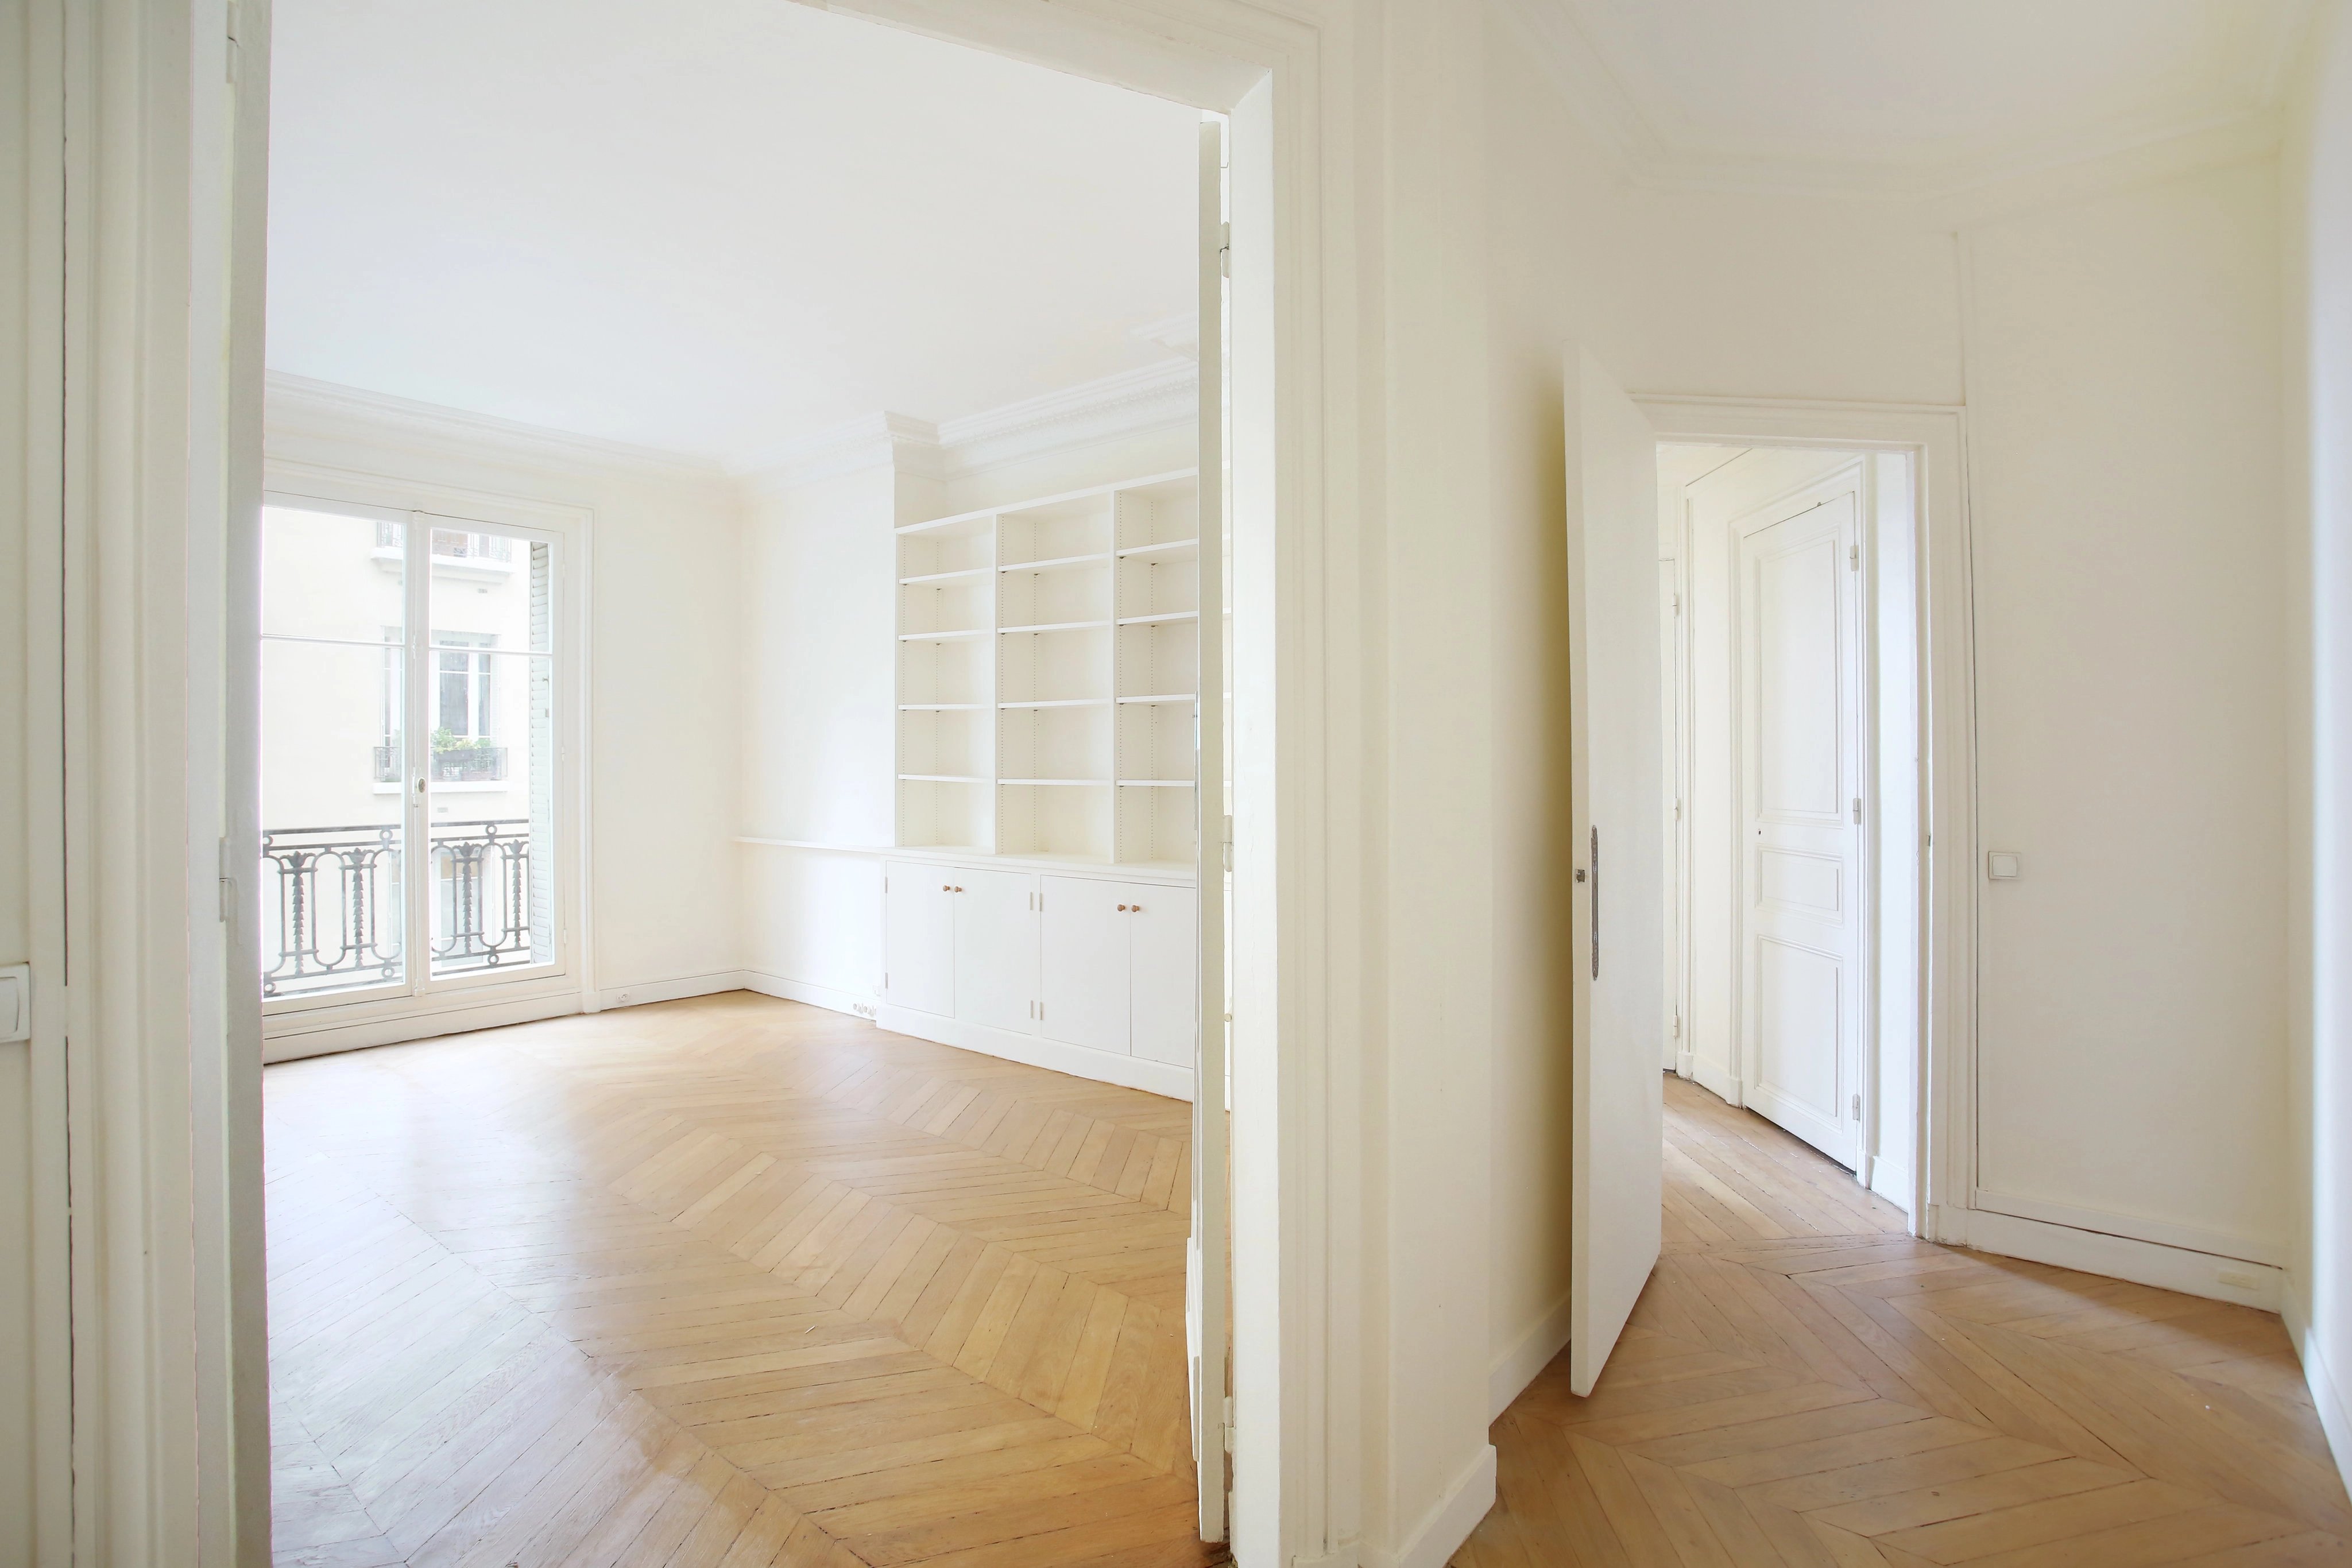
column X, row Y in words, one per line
column 1935, row 435
column 168, row 147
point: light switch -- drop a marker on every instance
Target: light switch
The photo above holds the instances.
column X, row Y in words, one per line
column 2003, row 865
column 16, row 1002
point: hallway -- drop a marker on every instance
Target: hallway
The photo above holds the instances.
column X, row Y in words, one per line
column 1802, row 1384
column 727, row 1281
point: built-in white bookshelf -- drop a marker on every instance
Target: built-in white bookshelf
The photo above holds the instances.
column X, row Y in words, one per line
column 1048, row 656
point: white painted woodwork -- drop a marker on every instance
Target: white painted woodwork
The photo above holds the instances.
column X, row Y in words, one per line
column 1802, row 949
column 995, row 948
column 1615, row 768
column 918, row 935
column 1084, row 967
column 1201, row 1038
column 1047, row 667
column 1670, row 669
column 1163, row 981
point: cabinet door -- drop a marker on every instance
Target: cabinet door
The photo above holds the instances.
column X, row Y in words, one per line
column 1164, row 988
column 1084, row 961
column 995, row 948
column 919, row 937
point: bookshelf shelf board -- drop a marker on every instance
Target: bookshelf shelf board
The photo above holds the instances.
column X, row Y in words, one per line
column 1057, row 563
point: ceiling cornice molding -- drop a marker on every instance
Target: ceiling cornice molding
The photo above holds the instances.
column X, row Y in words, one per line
column 1133, row 403
column 878, row 440
column 295, row 404
column 2196, row 131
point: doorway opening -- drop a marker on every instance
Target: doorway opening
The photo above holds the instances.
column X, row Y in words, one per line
column 790, row 625
column 1791, row 618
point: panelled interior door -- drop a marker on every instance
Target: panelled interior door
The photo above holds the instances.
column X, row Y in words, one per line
column 1801, row 747
column 1616, row 782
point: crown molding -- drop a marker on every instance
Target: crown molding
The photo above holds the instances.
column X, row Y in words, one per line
column 1179, row 334
column 2239, row 120
column 878, row 440
column 295, row 404
column 1132, row 402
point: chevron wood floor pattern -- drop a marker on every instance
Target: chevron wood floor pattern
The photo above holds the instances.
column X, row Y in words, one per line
column 1802, row 1385
column 731, row 1282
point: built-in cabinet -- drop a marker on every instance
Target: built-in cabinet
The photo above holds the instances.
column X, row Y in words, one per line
column 1092, row 975
column 1048, row 657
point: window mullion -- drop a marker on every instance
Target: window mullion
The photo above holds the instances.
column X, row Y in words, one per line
column 417, row 746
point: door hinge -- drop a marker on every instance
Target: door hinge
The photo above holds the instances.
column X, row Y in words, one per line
column 1678, row 1023
column 228, row 67
column 1857, row 1107
column 1853, row 558
column 228, row 891
column 1224, row 250
column 1857, row 807
column 1228, row 1424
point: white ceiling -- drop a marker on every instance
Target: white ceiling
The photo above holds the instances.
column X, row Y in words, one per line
column 1911, row 95
column 706, row 227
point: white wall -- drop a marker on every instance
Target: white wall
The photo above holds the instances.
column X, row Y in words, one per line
column 2095, row 428
column 2317, row 212
column 664, row 683
column 2130, row 667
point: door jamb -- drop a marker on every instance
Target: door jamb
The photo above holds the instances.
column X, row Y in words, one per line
column 1935, row 435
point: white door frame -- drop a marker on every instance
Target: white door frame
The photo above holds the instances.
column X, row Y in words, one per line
column 168, row 146
column 1935, row 436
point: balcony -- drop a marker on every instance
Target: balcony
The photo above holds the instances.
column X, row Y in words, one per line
column 465, row 763
column 333, row 914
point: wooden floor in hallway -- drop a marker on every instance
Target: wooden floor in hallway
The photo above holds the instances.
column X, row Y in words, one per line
column 1804, row 1385
column 728, row 1281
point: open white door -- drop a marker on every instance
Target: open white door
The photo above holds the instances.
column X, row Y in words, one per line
column 1615, row 778
column 1208, row 1275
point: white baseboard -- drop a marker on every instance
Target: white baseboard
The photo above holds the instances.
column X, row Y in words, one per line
column 2335, row 1411
column 1715, row 1080
column 2134, row 1227
column 1512, row 1371
column 2117, row 1257
column 1036, row 1050
column 638, row 993
column 859, row 1004
column 1448, row 1525
column 1891, row 1179
column 333, row 1038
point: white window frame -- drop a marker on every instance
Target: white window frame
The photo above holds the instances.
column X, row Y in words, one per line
column 421, row 1004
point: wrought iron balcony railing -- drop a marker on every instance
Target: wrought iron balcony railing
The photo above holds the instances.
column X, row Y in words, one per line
column 333, row 911
column 451, row 765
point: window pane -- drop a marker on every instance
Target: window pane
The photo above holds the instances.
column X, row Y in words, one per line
column 324, row 574
column 492, row 788
column 330, row 820
column 331, row 717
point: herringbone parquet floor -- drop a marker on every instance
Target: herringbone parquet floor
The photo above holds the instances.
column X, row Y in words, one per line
column 1804, row 1385
column 728, row 1281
